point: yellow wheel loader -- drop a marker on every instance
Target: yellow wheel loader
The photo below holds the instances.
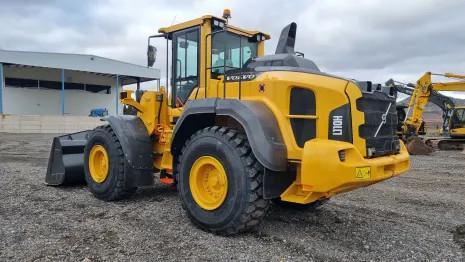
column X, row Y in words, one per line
column 238, row 129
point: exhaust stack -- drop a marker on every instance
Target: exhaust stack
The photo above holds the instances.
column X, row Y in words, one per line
column 286, row 41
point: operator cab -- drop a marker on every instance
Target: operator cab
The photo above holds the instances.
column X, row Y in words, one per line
column 458, row 118
column 202, row 51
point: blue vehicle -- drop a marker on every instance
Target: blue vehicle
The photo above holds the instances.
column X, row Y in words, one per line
column 98, row 112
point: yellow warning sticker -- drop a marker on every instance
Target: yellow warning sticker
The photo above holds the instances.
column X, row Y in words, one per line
column 363, row 172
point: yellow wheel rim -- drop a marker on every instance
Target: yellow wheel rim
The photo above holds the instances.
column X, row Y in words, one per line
column 98, row 163
column 208, row 182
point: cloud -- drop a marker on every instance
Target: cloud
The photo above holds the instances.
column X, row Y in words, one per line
column 367, row 40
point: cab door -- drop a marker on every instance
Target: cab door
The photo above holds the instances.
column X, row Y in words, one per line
column 185, row 65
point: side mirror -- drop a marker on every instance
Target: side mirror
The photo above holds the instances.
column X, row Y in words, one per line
column 151, row 55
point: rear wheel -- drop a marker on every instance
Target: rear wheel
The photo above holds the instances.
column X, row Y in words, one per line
column 220, row 181
column 105, row 166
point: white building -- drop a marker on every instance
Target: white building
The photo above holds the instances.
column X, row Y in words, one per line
column 33, row 83
column 55, row 93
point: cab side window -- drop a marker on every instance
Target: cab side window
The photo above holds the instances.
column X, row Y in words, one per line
column 231, row 51
column 458, row 119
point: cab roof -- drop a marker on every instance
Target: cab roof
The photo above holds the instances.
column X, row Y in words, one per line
column 201, row 20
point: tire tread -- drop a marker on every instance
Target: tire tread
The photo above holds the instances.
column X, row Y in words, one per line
column 120, row 191
column 256, row 207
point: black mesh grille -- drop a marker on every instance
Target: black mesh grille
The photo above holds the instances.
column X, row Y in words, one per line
column 378, row 103
column 302, row 103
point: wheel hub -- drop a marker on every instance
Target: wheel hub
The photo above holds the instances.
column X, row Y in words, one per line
column 208, row 182
column 98, row 163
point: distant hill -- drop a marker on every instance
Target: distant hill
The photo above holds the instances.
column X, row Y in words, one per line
column 433, row 114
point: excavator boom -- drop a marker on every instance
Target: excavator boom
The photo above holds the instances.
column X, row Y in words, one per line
column 423, row 92
column 445, row 103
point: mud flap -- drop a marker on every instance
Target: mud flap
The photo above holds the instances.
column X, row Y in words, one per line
column 66, row 161
column 275, row 183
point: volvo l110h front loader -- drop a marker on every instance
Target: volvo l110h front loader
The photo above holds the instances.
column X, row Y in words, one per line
column 237, row 129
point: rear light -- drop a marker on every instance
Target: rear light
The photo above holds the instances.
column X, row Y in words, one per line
column 342, row 155
column 371, row 151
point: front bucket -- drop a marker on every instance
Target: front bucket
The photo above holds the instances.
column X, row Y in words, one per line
column 66, row 161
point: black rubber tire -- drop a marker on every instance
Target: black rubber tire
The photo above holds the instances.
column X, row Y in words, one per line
column 302, row 207
column 114, row 187
column 244, row 206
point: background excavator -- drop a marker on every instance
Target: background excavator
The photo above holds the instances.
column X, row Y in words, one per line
column 237, row 129
column 411, row 126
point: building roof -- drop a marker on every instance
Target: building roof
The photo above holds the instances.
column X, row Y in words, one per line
column 80, row 62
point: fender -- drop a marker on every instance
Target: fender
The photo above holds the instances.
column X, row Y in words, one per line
column 256, row 118
column 137, row 148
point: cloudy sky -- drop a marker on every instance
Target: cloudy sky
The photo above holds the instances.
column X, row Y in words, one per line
column 367, row 40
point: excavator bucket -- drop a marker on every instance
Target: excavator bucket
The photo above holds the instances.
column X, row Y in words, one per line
column 66, row 161
column 416, row 146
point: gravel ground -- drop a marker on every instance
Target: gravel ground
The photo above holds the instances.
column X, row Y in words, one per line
column 417, row 216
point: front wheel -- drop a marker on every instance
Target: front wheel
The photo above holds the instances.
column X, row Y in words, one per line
column 104, row 166
column 220, row 181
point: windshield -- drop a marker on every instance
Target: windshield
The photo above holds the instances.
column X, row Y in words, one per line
column 231, row 51
column 458, row 118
